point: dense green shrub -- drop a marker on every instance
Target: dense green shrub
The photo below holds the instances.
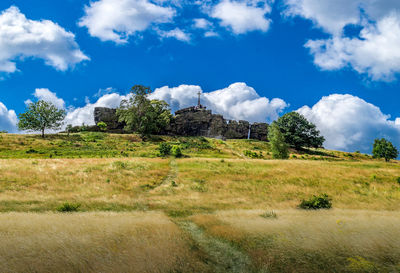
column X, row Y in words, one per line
column 164, row 149
column 176, row 151
column 252, row 154
column 398, row 179
column 317, row 202
column 102, row 126
column 68, row 207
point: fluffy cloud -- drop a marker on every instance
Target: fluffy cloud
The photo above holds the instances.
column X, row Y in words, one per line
column 46, row 95
column 373, row 51
column 242, row 16
column 350, row 123
column 116, row 20
column 21, row 38
column 78, row 116
column 238, row 101
column 175, row 33
column 202, row 23
column 8, row 119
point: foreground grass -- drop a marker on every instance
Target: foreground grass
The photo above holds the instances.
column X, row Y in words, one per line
column 313, row 241
column 94, row 242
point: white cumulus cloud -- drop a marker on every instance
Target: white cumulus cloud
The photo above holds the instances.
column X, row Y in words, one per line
column 21, row 38
column 8, row 119
column 237, row 101
column 175, row 33
column 80, row 115
column 46, row 95
column 116, row 20
column 242, row 16
column 374, row 51
column 349, row 123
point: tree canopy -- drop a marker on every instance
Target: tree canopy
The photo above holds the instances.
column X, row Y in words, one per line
column 384, row 149
column 299, row 132
column 142, row 115
column 41, row 115
column 279, row 148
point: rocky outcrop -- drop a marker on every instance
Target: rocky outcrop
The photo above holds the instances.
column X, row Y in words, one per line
column 197, row 121
column 259, row 131
column 108, row 116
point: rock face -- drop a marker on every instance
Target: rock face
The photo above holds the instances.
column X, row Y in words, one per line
column 197, row 121
column 108, row 116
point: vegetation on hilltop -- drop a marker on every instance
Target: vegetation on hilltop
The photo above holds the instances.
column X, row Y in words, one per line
column 41, row 115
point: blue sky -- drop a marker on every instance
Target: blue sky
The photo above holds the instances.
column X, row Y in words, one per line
column 300, row 52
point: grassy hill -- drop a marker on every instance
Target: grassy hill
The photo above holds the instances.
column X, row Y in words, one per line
column 225, row 197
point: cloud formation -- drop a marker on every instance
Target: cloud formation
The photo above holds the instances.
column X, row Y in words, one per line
column 46, row 95
column 372, row 45
column 237, row 101
column 8, row 119
column 117, row 20
column 242, row 16
column 21, row 38
column 80, row 115
column 349, row 123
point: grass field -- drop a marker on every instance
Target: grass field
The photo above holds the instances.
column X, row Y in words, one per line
column 226, row 206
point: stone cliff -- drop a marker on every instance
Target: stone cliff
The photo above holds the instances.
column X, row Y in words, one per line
column 196, row 121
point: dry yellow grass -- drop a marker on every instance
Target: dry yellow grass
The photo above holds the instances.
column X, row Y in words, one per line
column 312, row 241
column 194, row 184
column 94, row 242
column 102, row 181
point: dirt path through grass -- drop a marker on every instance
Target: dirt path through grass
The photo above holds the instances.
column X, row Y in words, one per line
column 222, row 256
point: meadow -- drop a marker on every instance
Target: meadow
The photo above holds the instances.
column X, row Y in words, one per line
column 225, row 206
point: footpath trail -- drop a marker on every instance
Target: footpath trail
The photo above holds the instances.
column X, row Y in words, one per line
column 222, row 256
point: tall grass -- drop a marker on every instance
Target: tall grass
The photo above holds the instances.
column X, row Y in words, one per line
column 94, row 242
column 312, row 241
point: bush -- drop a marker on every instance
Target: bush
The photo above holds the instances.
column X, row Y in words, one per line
column 164, row 149
column 176, row 151
column 398, row 179
column 68, row 207
column 317, row 202
column 252, row 154
column 102, row 126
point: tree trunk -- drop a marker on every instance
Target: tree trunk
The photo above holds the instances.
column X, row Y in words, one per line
column 42, row 132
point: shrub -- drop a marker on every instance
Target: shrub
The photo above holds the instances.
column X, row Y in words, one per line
column 317, row 202
column 176, row 151
column 102, row 126
column 68, row 207
column 164, row 149
column 398, row 179
column 252, row 154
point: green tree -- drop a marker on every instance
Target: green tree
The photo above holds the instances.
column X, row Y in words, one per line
column 69, row 129
column 279, row 148
column 384, row 149
column 41, row 115
column 142, row 115
column 299, row 132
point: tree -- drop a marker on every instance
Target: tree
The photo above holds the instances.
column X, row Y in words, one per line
column 142, row 115
column 41, row 115
column 384, row 149
column 299, row 132
column 278, row 146
column 69, row 129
